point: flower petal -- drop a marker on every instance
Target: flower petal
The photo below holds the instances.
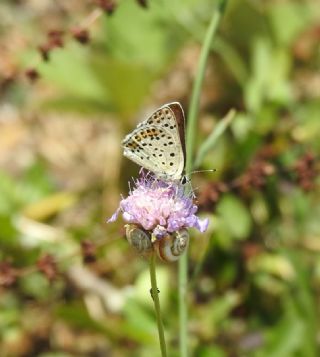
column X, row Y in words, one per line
column 202, row 224
column 114, row 217
column 160, row 206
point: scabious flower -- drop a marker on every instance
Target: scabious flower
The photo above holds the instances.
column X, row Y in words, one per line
column 160, row 207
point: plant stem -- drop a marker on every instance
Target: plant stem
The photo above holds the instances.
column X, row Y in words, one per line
column 194, row 102
column 183, row 312
column 155, row 297
column 190, row 139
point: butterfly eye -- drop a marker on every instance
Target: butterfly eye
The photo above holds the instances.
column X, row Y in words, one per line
column 184, row 180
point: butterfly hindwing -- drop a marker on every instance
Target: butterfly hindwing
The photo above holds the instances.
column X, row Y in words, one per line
column 180, row 120
column 157, row 143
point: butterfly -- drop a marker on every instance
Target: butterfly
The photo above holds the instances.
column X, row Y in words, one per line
column 158, row 143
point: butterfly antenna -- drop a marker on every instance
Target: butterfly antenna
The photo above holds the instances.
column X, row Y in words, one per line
column 187, row 176
column 198, row 171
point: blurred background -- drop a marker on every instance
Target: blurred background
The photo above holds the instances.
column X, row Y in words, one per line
column 75, row 77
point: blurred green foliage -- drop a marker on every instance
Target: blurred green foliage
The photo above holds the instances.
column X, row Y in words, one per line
column 256, row 288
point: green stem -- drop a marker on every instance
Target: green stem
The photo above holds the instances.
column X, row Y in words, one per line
column 194, row 102
column 190, row 139
column 155, row 297
column 183, row 312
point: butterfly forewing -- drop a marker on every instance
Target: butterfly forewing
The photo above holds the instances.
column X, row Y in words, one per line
column 157, row 143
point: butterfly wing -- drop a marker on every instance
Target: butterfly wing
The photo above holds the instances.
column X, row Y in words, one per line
column 156, row 143
column 136, row 148
column 178, row 113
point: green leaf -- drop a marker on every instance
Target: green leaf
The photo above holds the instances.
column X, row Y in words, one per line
column 211, row 352
column 35, row 184
column 36, row 285
column 127, row 82
column 69, row 69
column 295, row 16
column 138, row 36
column 285, row 339
column 241, row 126
column 10, row 200
column 214, row 136
column 275, row 264
column 222, row 306
column 235, row 217
column 140, row 324
column 77, row 315
column 269, row 79
column 8, row 233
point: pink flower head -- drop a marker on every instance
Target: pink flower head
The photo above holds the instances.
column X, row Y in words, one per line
column 160, row 207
